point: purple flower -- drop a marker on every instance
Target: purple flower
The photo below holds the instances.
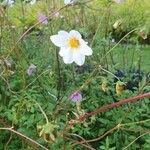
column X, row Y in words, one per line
column 42, row 18
column 31, row 69
column 76, row 97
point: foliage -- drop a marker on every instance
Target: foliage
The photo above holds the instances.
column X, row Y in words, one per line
column 39, row 106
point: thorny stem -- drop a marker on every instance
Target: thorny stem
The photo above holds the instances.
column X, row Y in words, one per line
column 121, row 102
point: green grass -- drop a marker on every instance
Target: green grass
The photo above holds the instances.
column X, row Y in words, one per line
column 127, row 57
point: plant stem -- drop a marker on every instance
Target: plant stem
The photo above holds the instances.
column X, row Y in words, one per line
column 121, row 102
column 135, row 140
column 58, row 76
column 24, row 136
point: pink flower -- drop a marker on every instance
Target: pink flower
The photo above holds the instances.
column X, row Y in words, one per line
column 31, row 69
column 76, row 97
column 42, row 18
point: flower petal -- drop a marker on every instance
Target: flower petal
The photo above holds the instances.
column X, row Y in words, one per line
column 42, row 18
column 67, row 55
column 76, row 34
column 62, row 51
column 66, row 2
column 78, row 58
column 63, row 33
column 69, row 59
column 31, row 69
column 60, row 39
column 76, row 97
column 85, row 49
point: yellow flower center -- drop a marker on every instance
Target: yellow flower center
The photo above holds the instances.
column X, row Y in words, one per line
column 74, row 43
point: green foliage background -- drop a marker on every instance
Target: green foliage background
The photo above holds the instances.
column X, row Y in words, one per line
column 23, row 97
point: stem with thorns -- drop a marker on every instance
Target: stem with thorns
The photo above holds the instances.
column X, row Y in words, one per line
column 112, row 105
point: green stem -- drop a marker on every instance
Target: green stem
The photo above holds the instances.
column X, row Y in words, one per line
column 58, row 76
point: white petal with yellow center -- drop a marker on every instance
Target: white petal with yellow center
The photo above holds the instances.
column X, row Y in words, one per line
column 72, row 47
column 65, row 52
column 60, row 39
column 73, row 43
column 78, row 58
column 85, row 49
column 76, row 34
column 69, row 59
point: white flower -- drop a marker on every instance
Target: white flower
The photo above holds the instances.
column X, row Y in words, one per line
column 10, row 3
column 72, row 47
column 66, row 2
column 33, row 2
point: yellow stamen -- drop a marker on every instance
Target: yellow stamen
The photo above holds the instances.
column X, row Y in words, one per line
column 74, row 43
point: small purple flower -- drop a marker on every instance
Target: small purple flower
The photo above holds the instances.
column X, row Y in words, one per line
column 76, row 97
column 31, row 69
column 42, row 18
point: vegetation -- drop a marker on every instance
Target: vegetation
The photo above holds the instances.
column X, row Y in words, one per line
column 48, row 104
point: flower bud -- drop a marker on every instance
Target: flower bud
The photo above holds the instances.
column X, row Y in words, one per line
column 119, row 87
